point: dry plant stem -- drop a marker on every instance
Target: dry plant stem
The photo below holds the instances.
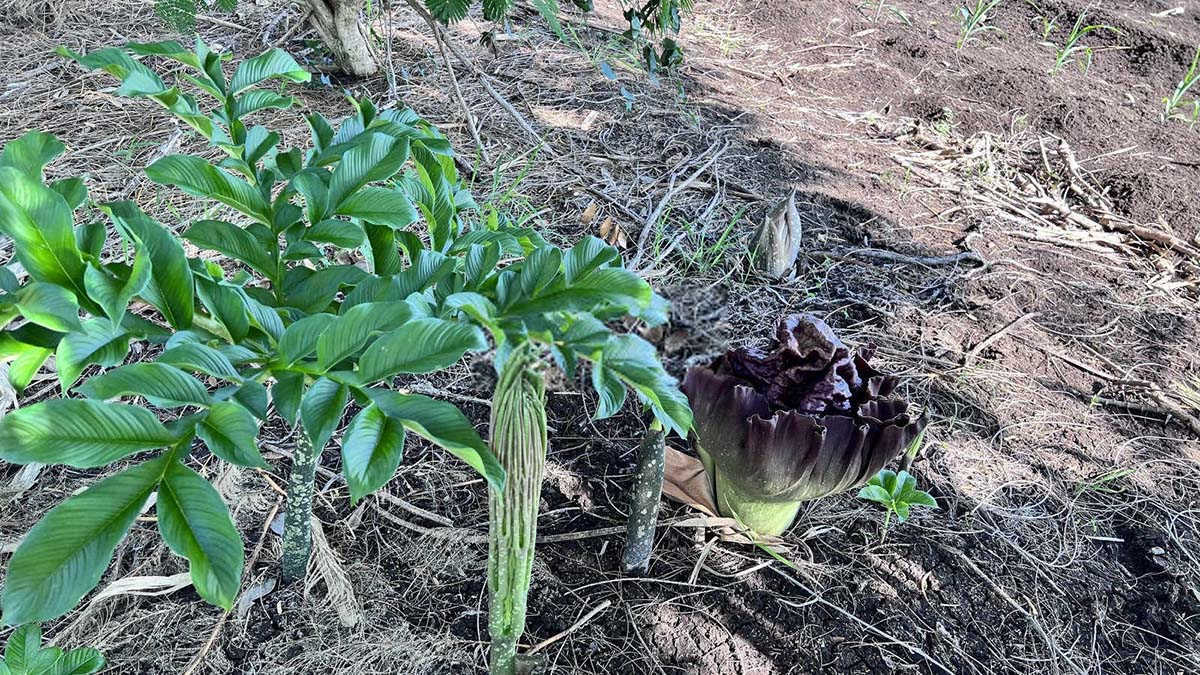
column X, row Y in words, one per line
column 441, row 41
column 297, row 521
column 483, row 79
column 645, row 497
column 662, row 204
column 574, row 627
column 1037, row 626
column 337, row 22
column 518, row 426
column 216, row 632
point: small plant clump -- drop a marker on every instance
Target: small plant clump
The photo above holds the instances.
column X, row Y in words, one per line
column 1174, row 105
column 274, row 325
column 25, row 655
column 1070, row 51
column 898, row 493
column 973, row 21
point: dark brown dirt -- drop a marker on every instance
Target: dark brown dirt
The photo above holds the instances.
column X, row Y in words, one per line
column 1068, row 536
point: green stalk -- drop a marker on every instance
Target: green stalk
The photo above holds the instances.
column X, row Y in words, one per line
column 645, row 497
column 518, row 428
column 297, row 519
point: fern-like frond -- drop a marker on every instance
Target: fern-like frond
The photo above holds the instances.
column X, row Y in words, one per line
column 495, row 10
column 447, row 11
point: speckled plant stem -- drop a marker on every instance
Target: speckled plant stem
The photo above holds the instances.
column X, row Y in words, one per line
column 645, row 496
column 297, row 520
column 518, row 428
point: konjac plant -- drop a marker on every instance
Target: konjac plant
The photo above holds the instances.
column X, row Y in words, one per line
column 275, row 326
column 264, row 303
column 806, row 418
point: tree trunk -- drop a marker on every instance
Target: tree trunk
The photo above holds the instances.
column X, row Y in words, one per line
column 339, row 24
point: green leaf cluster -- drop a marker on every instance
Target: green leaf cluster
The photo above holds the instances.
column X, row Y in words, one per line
column 25, row 655
column 268, row 318
column 896, row 492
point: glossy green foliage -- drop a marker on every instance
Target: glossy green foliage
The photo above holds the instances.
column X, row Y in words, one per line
column 280, row 324
column 25, row 655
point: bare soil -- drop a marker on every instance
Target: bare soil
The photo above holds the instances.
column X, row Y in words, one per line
column 1046, row 352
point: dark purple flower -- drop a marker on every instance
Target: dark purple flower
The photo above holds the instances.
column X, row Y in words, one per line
column 806, row 419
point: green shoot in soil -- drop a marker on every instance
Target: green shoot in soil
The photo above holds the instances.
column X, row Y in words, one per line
column 1174, row 104
column 898, row 493
column 1068, row 51
column 974, row 21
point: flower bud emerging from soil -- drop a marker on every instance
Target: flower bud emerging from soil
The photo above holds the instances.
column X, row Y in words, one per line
column 806, row 419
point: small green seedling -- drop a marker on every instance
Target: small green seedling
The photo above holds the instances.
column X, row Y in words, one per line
column 24, row 655
column 1174, row 104
column 1070, row 49
column 1107, row 482
column 896, row 492
column 974, row 21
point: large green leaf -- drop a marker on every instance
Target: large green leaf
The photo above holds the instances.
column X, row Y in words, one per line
column 201, row 358
column 587, row 255
column 162, row 385
column 30, row 153
column 170, row 288
column 22, row 649
column 447, row 11
column 321, row 410
column 82, row 661
column 81, row 433
column 230, row 432
column 443, row 424
column 340, row 233
column 227, row 305
column 300, row 339
column 419, row 346
column 377, row 158
column 350, row 331
column 371, row 451
column 113, row 294
column 99, row 342
column 49, row 305
column 40, row 223
column 197, row 177
column 382, row 206
column 259, row 99
column 63, row 556
column 635, row 361
column 195, row 523
column 235, row 242
column 610, row 391
column 25, row 364
column 286, row 394
column 136, row 79
column 603, row 286
column 273, row 63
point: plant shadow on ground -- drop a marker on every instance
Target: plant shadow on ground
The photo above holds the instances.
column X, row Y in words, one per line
column 1039, row 555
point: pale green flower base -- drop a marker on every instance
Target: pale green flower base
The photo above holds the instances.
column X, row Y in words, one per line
column 768, row 518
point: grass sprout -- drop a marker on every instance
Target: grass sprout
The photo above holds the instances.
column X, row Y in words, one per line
column 1174, row 104
column 974, row 21
column 1073, row 48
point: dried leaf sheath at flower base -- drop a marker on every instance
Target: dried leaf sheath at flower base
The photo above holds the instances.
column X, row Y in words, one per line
column 807, row 419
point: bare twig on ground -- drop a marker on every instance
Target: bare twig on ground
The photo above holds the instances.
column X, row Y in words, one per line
column 1030, row 618
column 574, row 627
column 672, row 190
